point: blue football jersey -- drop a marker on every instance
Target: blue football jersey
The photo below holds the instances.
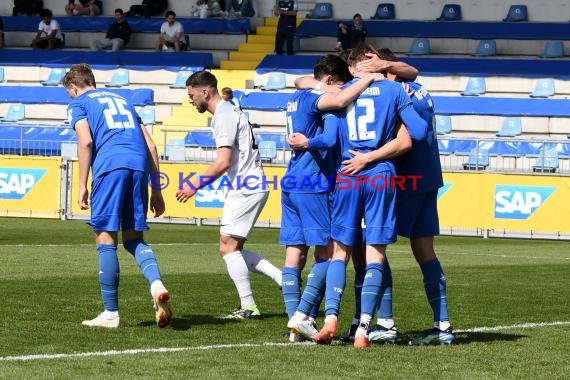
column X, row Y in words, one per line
column 118, row 141
column 423, row 159
column 370, row 121
column 308, row 170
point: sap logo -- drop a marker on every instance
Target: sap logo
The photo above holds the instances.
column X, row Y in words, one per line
column 15, row 183
column 442, row 190
column 211, row 196
column 519, row 202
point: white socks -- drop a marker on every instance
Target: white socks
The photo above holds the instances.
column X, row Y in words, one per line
column 156, row 286
column 259, row 264
column 386, row 323
column 239, row 273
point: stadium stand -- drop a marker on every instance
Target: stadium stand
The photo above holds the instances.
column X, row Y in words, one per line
column 512, row 127
column 419, row 46
column 450, row 12
column 553, row 49
column 55, row 77
column 475, row 87
column 321, row 11
column 180, row 81
column 443, row 124
column 2, row 77
column 16, row 112
column 517, row 13
column 543, row 88
column 478, row 160
column 384, row 11
column 275, row 81
column 486, row 48
column 120, row 78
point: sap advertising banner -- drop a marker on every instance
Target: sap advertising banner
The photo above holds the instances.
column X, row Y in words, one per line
column 30, row 187
column 512, row 202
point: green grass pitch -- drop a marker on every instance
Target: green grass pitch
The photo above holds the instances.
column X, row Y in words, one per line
column 48, row 273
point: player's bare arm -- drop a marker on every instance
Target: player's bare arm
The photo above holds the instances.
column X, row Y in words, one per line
column 214, row 171
column 84, row 152
column 398, row 68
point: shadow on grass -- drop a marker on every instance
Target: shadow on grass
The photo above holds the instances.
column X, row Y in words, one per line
column 185, row 322
column 464, row 337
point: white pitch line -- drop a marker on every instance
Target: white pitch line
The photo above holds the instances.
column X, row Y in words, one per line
column 517, row 326
column 241, row 345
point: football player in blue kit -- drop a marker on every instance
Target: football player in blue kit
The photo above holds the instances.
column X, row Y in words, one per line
column 114, row 145
column 305, row 196
column 367, row 124
column 416, row 217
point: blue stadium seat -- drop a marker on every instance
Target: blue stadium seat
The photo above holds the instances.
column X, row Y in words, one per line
column 486, row 48
column 420, row 46
column 120, row 78
column 385, row 11
column 442, row 124
column 180, row 81
column 15, row 112
column 321, row 10
column 511, row 127
column 478, row 160
column 201, row 138
column 553, row 49
column 2, row 78
column 517, row 13
column 147, row 115
column 546, row 162
column 267, row 150
column 450, row 12
column 175, row 150
column 55, row 77
column 277, row 138
column 275, row 81
column 475, row 86
column 543, row 88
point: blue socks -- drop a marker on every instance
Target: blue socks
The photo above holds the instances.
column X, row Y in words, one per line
column 145, row 258
column 314, row 290
column 109, row 276
column 385, row 306
column 291, row 289
column 371, row 288
column 435, row 287
column 336, row 281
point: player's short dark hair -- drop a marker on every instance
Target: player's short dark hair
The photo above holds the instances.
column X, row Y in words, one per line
column 356, row 15
column 331, row 64
column 168, row 13
column 387, row 54
column 344, row 54
column 118, row 10
column 202, row 79
column 358, row 54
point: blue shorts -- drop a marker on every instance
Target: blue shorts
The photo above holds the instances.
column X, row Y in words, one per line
column 305, row 218
column 416, row 214
column 119, row 198
column 360, row 200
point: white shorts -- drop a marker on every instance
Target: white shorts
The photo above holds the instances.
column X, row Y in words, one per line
column 241, row 212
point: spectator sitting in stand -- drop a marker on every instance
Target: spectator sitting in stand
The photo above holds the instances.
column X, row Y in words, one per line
column 207, row 8
column 117, row 36
column 148, row 8
column 49, row 33
column 84, row 8
column 349, row 36
column 239, row 8
column 171, row 34
column 27, row 7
